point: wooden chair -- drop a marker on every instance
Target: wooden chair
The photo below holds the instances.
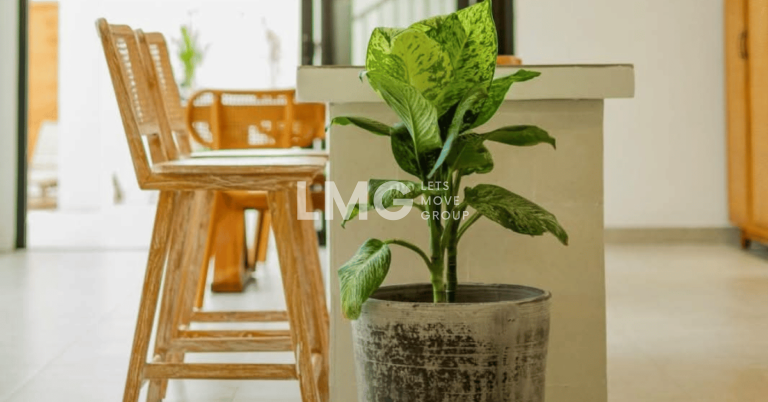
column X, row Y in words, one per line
column 246, row 119
column 186, row 189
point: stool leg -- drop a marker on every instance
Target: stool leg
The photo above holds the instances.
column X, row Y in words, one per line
column 208, row 251
column 321, row 327
column 192, row 262
column 287, row 238
column 171, row 286
column 157, row 255
column 313, row 285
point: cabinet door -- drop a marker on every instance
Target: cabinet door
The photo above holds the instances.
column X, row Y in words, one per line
column 737, row 109
column 758, row 110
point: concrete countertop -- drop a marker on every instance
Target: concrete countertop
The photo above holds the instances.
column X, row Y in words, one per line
column 340, row 84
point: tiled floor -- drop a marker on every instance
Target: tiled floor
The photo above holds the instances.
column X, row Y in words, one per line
column 686, row 323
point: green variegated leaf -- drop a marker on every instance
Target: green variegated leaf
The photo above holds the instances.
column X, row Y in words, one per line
column 409, row 190
column 404, row 151
column 469, row 155
column 471, row 98
column 352, row 211
column 496, row 93
column 410, row 57
column 476, row 61
column 513, row 211
column 446, row 30
column 417, row 114
column 379, row 53
column 371, row 125
column 427, row 65
column 362, row 275
column 522, row 136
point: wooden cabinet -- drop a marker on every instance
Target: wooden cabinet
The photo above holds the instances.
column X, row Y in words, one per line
column 746, row 54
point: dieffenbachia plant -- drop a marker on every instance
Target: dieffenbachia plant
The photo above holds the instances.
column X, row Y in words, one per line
column 438, row 77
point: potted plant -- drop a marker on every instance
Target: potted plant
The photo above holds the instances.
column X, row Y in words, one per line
column 445, row 341
column 190, row 54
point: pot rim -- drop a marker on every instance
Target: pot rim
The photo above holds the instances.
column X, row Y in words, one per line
column 542, row 295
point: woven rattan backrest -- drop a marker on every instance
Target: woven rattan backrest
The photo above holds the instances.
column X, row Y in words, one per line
column 139, row 116
column 155, row 49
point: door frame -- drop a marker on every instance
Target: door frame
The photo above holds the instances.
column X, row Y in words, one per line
column 21, row 141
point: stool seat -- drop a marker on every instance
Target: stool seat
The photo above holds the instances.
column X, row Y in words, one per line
column 258, row 165
column 246, row 153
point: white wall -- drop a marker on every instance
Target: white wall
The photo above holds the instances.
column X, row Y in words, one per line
column 664, row 150
column 9, row 40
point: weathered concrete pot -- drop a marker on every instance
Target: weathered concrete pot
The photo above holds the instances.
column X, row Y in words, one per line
column 489, row 346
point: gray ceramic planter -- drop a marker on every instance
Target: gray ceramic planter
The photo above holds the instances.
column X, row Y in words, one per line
column 490, row 346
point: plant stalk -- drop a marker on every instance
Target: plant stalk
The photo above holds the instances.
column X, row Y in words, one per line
column 452, row 279
column 437, row 260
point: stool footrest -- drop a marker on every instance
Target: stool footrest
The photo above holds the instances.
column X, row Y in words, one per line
column 239, row 316
column 226, row 333
column 220, row 371
column 236, row 344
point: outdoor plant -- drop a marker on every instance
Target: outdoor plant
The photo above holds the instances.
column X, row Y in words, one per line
column 438, row 77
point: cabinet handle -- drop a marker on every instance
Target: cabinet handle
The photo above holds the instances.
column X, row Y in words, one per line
column 743, row 44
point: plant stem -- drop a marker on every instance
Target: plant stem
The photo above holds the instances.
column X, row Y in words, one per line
column 456, row 185
column 452, row 245
column 452, row 279
column 411, row 246
column 437, row 261
column 451, row 242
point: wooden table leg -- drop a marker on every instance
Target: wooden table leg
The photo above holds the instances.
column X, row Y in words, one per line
column 230, row 273
column 262, row 236
column 287, row 238
column 210, row 240
column 150, row 293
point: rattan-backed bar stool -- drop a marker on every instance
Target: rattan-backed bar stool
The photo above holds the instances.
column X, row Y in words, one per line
column 186, row 189
column 239, row 121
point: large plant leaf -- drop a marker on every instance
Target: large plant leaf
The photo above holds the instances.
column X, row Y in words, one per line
column 473, row 97
column 411, row 57
column 365, row 123
column 496, row 93
column 522, row 136
column 362, row 275
column 448, row 32
column 469, row 155
column 415, row 111
column 379, row 54
column 476, row 61
column 404, row 150
column 513, row 211
column 388, row 198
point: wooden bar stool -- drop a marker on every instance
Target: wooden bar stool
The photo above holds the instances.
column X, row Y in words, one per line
column 245, row 119
column 236, row 119
column 186, row 189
